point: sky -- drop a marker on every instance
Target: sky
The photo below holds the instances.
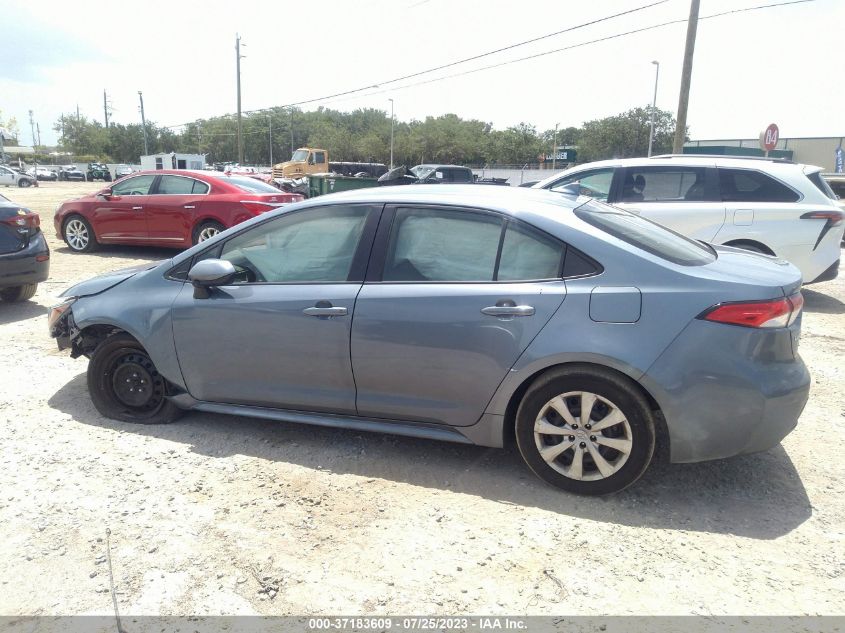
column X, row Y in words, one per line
column 780, row 65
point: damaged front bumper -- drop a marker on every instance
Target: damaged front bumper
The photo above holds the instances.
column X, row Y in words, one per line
column 62, row 327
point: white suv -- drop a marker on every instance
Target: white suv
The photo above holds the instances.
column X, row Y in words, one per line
column 770, row 206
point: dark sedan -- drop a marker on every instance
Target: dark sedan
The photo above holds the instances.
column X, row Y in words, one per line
column 24, row 255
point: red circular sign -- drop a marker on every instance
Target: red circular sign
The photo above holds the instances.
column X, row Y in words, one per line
column 769, row 137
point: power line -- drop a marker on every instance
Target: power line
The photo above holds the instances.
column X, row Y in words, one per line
column 579, row 45
column 508, row 62
column 461, row 61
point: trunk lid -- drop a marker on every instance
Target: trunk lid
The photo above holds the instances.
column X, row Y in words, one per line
column 764, row 276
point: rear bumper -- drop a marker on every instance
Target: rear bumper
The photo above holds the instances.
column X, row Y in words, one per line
column 728, row 390
column 830, row 273
column 23, row 266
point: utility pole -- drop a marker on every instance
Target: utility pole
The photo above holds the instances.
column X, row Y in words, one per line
column 106, row 109
column 77, row 114
column 686, row 76
column 391, row 133
column 238, row 63
column 32, row 129
column 554, row 149
column 38, row 130
column 653, row 107
column 291, row 132
column 144, row 124
column 270, row 121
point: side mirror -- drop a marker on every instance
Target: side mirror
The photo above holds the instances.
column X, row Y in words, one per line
column 107, row 193
column 210, row 273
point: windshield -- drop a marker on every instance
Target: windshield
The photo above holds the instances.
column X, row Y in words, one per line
column 300, row 155
column 422, row 171
column 251, row 185
column 645, row 234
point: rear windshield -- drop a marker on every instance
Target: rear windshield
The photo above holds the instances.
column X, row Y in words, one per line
column 821, row 183
column 645, row 234
column 251, row 185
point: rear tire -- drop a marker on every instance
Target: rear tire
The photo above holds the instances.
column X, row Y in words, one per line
column 206, row 231
column 125, row 385
column 18, row 293
column 79, row 235
column 600, row 451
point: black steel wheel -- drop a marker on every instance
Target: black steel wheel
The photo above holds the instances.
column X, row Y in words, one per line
column 125, row 385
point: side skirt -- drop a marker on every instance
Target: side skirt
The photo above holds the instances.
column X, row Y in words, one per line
column 409, row 429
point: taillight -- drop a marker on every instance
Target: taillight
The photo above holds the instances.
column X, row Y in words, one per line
column 256, row 207
column 833, row 216
column 261, row 206
column 758, row 314
column 24, row 222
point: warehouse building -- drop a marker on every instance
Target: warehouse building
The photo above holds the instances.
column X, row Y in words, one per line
column 810, row 150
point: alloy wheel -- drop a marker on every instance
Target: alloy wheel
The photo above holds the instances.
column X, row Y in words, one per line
column 77, row 235
column 207, row 233
column 583, row 436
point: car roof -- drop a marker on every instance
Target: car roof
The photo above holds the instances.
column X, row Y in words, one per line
column 515, row 201
column 769, row 165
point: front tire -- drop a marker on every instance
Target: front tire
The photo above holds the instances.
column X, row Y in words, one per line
column 586, row 430
column 79, row 235
column 125, row 385
column 18, row 293
column 206, row 231
column 24, row 182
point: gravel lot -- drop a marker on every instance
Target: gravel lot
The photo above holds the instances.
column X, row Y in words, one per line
column 227, row 515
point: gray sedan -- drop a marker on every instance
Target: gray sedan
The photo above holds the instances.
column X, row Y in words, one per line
column 470, row 314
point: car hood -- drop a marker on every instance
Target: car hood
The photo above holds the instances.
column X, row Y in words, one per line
column 104, row 282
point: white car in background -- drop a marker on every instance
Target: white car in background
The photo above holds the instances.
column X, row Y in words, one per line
column 771, row 206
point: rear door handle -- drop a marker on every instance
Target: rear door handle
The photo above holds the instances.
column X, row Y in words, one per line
column 190, row 206
column 137, row 208
column 508, row 311
column 325, row 311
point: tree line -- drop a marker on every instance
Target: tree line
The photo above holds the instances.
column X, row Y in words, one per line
column 364, row 135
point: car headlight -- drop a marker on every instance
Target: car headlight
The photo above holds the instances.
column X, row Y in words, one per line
column 58, row 311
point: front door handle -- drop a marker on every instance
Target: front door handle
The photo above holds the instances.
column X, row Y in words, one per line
column 137, row 208
column 508, row 310
column 325, row 309
column 190, row 206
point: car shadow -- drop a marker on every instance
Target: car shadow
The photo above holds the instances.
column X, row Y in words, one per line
column 815, row 301
column 758, row 496
column 11, row 312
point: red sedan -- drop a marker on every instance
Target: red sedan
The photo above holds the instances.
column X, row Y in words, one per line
column 172, row 208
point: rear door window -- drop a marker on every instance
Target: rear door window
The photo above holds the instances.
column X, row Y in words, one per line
column 645, row 234
column 665, row 184
column 748, row 185
column 442, row 245
column 179, row 185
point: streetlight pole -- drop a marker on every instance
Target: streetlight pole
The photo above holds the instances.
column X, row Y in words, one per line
column 238, row 63
column 270, row 121
column 554, row 149
column 391, row 132
column 653, row 106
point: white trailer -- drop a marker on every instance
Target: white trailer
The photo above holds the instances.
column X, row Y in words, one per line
column 173, row 161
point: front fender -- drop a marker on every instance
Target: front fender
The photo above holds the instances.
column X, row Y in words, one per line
column 141, row 306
